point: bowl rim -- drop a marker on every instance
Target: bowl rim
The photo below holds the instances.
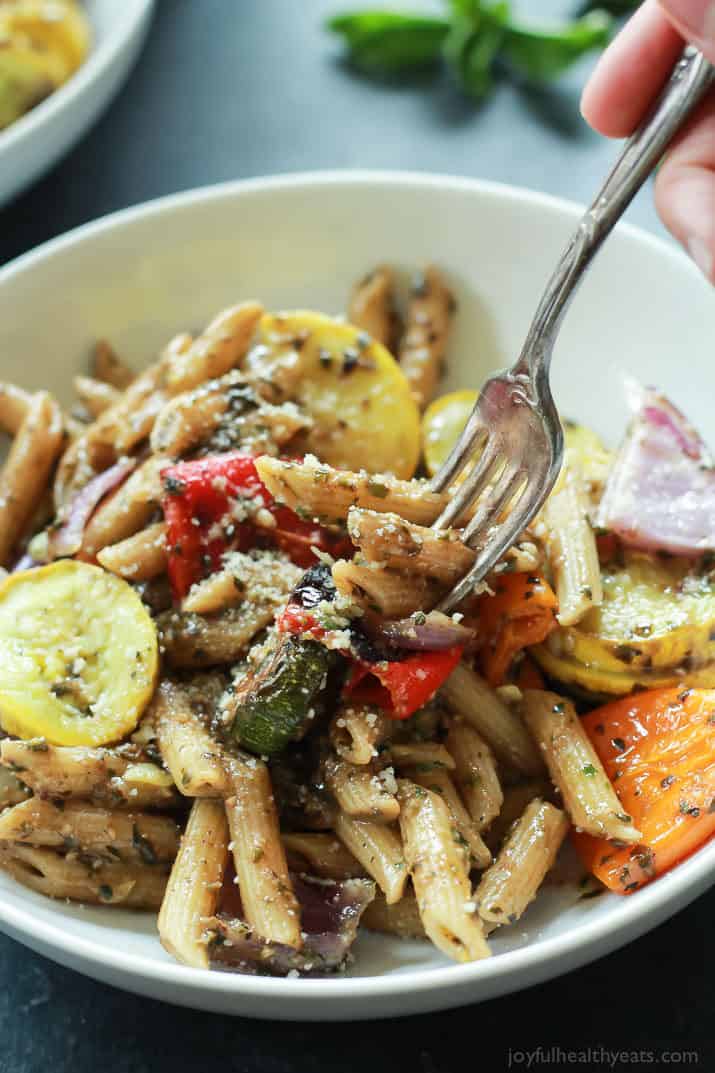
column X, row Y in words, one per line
column 104, row 50
column 544, row 957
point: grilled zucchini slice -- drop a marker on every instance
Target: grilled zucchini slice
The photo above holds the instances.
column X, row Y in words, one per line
column 655, row 627
column 78, row 652
column 275, row 704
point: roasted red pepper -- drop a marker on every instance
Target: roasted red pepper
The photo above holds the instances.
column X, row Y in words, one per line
column 205, row 518
column 400, row 688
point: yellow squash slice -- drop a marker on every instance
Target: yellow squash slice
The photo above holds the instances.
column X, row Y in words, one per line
column 655, row 627
column 442, row 424
column 364, row 413
column 78, row 653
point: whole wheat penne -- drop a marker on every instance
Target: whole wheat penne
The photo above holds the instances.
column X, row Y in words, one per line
column 249, row 578
column 372, row 306
column 439, row 866
column 194, row 758
column 378, row 849
column 571, row 546
column 321, row 854
column 219, row 348
column 475, row 774
column 438, row 781
column 361, row 791
column 49, row 873
column 192, row 640
column 328, row 494
column 386, row 592
column 425, row 756
column 516, row 797
column 14, row 404
column 191, row 417
column 95, row 395
column 269, row 903
column 133, row 837
column 469, row 696
column 399, row 918
column 512, row 882
column 575, row 767
column 107, row 366
column 26, row 472
column 12, row 791
column 102, row 775
column 390, row 540
column 139, row 557
column 128, row 511
column 356, row 731
column 423, row 346
column 194, row 887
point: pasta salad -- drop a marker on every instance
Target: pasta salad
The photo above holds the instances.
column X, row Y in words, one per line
column 226, row 696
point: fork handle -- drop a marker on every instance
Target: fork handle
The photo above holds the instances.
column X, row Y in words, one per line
column 692, row 76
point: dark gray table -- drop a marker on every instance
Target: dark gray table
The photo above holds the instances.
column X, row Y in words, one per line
column 230, row 88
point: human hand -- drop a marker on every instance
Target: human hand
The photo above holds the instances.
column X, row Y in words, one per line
column 622, row 87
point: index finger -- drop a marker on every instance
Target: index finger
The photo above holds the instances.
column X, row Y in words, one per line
column 630, row 72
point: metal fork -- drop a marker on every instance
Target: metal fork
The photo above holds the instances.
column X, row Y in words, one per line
column 514, row 422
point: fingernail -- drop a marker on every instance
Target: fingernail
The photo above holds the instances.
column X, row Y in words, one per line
column 697, row 16
column 702, row 255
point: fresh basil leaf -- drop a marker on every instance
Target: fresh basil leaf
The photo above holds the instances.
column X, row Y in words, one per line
column 384, row 42
column 543, row 54
column 473, row 45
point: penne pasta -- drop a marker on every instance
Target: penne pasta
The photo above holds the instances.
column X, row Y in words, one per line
column 362, row 792
column 398, row 918
column 55, row 876
column 378, row 849
column 194, row 887
column 105, row 776
column 439, row 782
column 196, row 761
column 425, row 756
column 357, row 731
column 575, row 767
column 323, row 855
column 137, row 558
column 327, row 494
column 385, row 592
column 372, row 306
column 218, row 349
column 571, row 546
column 512, row 882
column 26, row 472
column 269, row 904
column 439, row 866
column 95, row 395
column 475, row 774
column 390, row 541
column 12, row 791
column 78, row 826
column 469, row 696
column 423, row 346
column 108, row 367
column 516, row 798
column 127, row 511
column 14, row 404
column 245, row 578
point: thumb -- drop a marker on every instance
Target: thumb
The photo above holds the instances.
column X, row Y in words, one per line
column 695, row 20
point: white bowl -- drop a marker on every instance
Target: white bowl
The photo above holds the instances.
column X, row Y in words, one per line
column 30, row 146
column 141, row 275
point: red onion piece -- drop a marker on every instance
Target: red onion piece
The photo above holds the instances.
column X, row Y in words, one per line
column 660, row 495
column 424, row 633
column 67, row 540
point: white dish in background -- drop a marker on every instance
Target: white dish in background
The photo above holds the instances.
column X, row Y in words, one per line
column 30, row 146
column 142, row 275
